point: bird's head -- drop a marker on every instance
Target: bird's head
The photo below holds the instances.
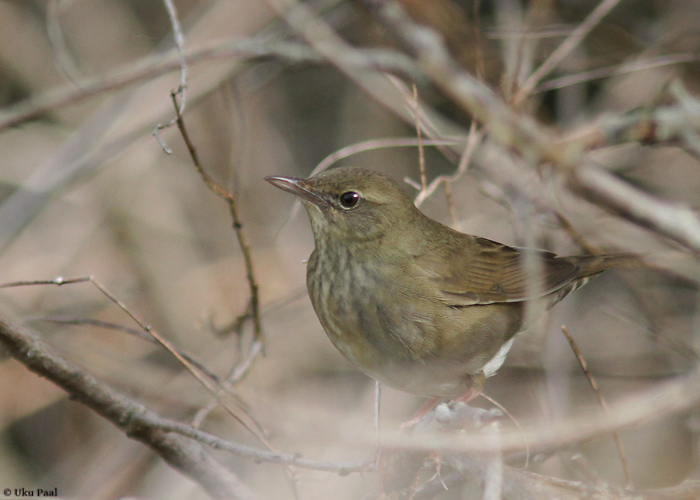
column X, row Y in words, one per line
column 351, row 204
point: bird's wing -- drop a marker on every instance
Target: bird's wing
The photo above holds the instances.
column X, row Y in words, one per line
column 480, row 271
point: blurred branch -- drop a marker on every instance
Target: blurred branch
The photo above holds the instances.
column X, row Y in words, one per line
column 64, row 59
column 135, row 420
column 221, row 392
column 257, row 346
column 621, row 69
column 352, row 62
column 665, row 398
column 601, row 400
column 70, row 320
column 564, row 49
column 179, row 38
column 433, row 57
column 538, row 144
column 159, row 64
column 677, row 221
column 676, row 124
column 142, row 424
column 402, row 463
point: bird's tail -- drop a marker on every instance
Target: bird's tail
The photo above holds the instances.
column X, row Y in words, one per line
column 592, row 265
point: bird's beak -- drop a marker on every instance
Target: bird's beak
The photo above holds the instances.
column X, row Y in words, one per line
column 297, row 187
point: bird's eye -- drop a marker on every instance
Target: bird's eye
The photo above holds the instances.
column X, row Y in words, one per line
column 349, row 199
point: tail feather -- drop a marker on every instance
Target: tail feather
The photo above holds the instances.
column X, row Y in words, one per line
column 590, row 266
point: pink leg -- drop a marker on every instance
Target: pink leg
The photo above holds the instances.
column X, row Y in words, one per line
column 468, row 395
column 421, row 412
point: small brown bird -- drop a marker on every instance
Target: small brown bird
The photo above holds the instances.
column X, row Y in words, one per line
column 411, row 302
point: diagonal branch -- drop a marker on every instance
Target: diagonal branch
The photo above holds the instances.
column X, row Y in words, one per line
column 564, row 49
column 536, row 143
column 182, row 454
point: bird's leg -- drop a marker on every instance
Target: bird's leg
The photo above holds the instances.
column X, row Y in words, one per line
column 468, row 395
column 431, row 403
column 373, row 461
column 421, row 412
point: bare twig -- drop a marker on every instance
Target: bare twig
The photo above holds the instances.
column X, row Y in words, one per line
column 157, row 65
column 378, row 84
column 621, row 69
column 67, row 320
column 182, row 87
column 62, row 54
column 521, row 131
column 676, row 221
column 373, row 144
column 450, row 202
column 220, row 393
column 565, row 223
column 515, row 422
column 564, row 49
column 497, row 479
column 257, row 345
column 535, row 143
column 601, row 400
column 419, row 137
column 227, row 196
column 675, row 124
column 132, row 418
column 239, row 372
column 425, row 192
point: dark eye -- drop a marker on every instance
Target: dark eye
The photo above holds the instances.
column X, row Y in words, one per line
column 349, row 199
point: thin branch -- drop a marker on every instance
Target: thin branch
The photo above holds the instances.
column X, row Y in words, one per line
column 675, row 124
column 447, row 187
column 374, row 144
column 676, row 221
column 258, row 344
column 601, row 400
column 180, row 46
column 520, row 131
column 133, row 418
column 498, row 480
column 378, row 84
column 69, row 320
column 537, row 144
column 227, row 196
column 288, row 459
column 220, row 392
column 159, row 64
column 620, row 69
column 145, row 417
column 61, row 50
column 426, row 191
column 564, row 49
column 182, row 87
column 419, row 137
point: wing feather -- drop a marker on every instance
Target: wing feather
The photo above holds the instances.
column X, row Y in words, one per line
column 480, row 271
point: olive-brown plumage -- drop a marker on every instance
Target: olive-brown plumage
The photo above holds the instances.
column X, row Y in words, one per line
column 411, row 302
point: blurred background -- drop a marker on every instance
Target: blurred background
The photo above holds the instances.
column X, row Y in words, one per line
column 85, row 189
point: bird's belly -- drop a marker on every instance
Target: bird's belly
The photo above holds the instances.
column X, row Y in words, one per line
column 403, row 338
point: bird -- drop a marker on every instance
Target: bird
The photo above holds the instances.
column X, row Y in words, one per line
column 413, row 303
